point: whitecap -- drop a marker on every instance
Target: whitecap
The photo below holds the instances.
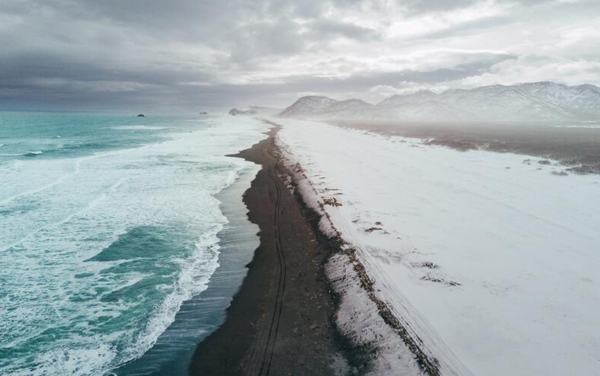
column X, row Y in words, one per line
column 76, row 208
column 33, row 153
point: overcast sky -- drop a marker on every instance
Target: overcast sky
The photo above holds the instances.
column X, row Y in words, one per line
column 196, row 54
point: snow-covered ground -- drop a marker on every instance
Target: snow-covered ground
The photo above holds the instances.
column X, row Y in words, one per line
column 492, row 259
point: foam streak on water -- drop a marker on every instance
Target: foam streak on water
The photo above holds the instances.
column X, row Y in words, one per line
column 102, row 239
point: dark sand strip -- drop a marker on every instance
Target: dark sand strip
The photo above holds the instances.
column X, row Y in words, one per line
column 281, row 320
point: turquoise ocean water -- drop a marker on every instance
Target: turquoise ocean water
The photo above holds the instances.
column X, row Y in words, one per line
column 108, row 224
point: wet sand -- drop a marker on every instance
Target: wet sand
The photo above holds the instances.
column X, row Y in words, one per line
column 577, row 147
column 281, row 320
column 198, row 317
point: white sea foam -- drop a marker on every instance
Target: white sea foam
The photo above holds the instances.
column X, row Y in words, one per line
column 60, row 213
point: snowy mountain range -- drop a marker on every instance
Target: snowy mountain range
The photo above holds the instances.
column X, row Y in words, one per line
column 539, row 101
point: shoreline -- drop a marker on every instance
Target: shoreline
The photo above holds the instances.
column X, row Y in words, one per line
column 204, row 313
column 283, row 317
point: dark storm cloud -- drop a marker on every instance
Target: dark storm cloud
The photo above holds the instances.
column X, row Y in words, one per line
column 116, row 53
column 364, row 81
column 56, row 46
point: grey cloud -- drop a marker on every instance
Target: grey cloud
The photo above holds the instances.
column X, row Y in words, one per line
column 365, row 81
column 419, row 6
column 129, row 43
column 322, row 27
column 263, row 39
column 159, row 86
column 90, row 53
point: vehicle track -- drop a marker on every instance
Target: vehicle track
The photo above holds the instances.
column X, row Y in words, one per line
column 279, row 321
column 268, row 353
column 261, row 356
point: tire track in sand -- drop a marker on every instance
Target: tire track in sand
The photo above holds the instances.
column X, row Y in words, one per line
column 268, row 353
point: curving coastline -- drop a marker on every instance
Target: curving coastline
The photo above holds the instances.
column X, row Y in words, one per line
column 282, row 320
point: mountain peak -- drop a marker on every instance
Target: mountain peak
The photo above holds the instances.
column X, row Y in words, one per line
column 394, row 99
column 306, row 105
column 525, row 102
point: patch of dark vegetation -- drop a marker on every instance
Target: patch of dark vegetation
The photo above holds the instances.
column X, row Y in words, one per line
column 440, row 280
column 331, row 201
column 377, row 227
column 586, row 169
column 560, row 173
column 457, row 144
column 425, row 264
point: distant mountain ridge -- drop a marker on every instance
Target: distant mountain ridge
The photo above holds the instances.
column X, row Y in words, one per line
column 538, row 101
column 254, row 110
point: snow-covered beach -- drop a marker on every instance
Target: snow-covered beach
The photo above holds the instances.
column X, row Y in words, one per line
column 489, row 259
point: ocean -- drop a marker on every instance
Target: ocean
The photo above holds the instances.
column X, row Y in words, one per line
column 108, row 226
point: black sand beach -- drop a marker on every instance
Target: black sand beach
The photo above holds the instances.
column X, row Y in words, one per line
column 281, row 320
